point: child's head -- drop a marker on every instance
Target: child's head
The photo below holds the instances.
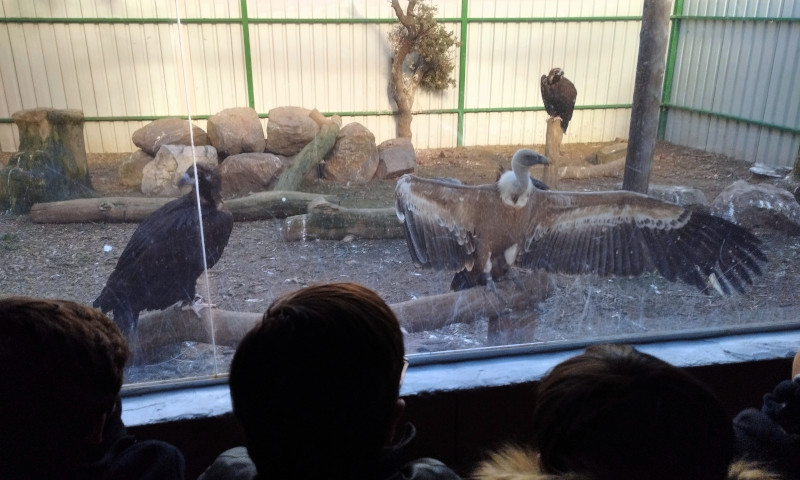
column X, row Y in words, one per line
column 315, row 385
column 62, row 366
column 614, row 412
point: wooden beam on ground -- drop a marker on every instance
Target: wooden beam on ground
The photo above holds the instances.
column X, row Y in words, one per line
column 258, row 206
column 157, row 330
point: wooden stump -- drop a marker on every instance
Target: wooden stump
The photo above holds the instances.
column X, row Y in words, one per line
column 51, row 163
column 552, row 150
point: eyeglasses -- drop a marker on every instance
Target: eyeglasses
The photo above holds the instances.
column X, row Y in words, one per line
column 403, row 371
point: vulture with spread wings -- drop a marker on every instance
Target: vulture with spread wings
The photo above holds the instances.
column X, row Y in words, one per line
column 486, row 228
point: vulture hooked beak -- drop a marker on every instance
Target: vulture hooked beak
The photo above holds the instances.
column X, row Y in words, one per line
column 185, row 180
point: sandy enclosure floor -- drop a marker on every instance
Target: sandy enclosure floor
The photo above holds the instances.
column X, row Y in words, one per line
column 69, row 261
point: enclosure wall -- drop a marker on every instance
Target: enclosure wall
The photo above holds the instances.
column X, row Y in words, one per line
column 458, row 427
column 120, row 63
column 734, row 87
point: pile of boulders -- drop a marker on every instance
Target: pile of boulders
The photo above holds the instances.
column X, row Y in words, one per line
column 250, row 161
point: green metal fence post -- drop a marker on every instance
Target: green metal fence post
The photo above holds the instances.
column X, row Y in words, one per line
column 248, row 61
column 462, row 72
column 672, row 52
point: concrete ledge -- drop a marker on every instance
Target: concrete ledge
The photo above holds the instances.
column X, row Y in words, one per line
column 214, row 400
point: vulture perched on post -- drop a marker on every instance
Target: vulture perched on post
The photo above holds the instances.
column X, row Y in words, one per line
column 559, row 96
column 164, row 257
column 486, row 228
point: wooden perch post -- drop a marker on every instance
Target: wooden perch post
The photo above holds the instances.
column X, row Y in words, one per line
column 327, row 221
column 258, row 206
column 312, row 153
column 552, row 150
column 650, row 66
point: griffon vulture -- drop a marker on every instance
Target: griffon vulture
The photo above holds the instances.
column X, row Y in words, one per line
column 486, row 228
column 163, row 259
column 559, row 96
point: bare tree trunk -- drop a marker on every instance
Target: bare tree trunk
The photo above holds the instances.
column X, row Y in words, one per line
column 400, row 92
column 404, row 101
column 647, row 94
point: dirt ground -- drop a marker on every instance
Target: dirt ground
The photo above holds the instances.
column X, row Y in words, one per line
column 69, row 261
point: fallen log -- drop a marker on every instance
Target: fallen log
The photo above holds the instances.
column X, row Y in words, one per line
column 611, row 169
column 273, row 204
column 109, row 209
column 158, row 330
column 258, row 206
column 467, row 306
column 312, row 153
column 559, row 167
column 327, row 221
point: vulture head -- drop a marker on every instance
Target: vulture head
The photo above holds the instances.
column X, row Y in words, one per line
column 515, row 186
column 555, row 75
column 208, row 181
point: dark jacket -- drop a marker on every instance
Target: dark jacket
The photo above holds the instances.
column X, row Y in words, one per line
column 771, row 435
column 235, row 464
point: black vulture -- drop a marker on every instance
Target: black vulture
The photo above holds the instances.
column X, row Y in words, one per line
column 487, row 228
column 163, row 259
column 559, row 96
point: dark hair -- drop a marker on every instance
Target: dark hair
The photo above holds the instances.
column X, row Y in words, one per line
column 315, row 383
column 61, row 368
column 616, row 413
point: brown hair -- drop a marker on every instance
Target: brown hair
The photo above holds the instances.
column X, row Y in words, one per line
column 616, row 413
column 315, row 383
column 62, row 367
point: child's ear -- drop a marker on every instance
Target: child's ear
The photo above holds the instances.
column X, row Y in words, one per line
column 95, row 435
column 394, row 422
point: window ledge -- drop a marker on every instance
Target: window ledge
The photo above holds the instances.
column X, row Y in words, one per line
column 214, row 400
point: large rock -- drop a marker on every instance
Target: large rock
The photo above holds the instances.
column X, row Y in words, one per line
column 246, row 173
column 354, row 158
column 396, row 157
column 758, row 205
column 160, row 176
column 235, row 130
column 289, row 129
column 130, row 170
column 676, row 194
column 167, row 131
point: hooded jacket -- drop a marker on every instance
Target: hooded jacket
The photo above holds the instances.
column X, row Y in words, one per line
column 519, row 463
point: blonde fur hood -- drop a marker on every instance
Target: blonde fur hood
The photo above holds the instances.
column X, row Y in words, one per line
column 518, row 463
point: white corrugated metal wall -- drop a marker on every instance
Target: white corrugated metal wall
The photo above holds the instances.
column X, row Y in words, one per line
column 122, row 74
column 735, row 85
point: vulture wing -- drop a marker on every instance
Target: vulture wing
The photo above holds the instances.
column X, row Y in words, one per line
column 626, row 233
column 439, row 220
column 547, row 97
